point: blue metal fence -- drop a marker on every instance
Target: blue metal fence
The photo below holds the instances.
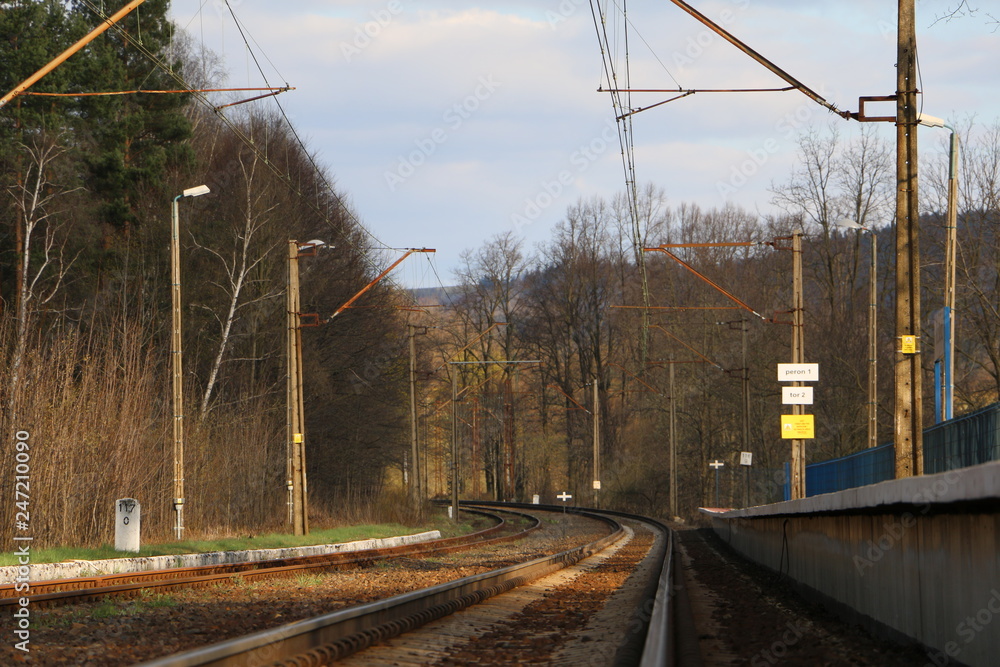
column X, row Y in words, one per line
column 866, row 467
column 957, row 443
column 962, row 442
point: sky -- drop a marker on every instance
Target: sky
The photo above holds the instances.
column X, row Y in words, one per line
column 444, row 123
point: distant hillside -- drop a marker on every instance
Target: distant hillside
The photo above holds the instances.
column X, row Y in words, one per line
column 427, row 296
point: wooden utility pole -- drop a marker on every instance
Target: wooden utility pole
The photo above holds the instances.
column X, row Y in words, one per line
column 673, row 445
column 744, row 330
column 798, row 485
column 597, row 444
column 298, row 513
column 416, row 494
column 908, row 404
column 509, row 432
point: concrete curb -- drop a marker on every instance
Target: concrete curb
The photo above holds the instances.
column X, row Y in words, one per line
column 91, row 568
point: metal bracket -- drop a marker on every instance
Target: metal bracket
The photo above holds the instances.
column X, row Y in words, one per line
column 309, row 320
column 862, row 118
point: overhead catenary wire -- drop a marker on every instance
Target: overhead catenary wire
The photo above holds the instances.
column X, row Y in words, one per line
column 260, row 153
column 625, row 131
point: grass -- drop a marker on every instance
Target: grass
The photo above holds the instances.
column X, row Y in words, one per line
column 106, row 609
column 271, row 541
column 309, row 580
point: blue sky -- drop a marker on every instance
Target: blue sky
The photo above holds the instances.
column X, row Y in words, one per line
column 446, row 123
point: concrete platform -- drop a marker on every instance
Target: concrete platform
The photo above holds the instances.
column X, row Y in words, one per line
column 90, row 568
column 917, row 559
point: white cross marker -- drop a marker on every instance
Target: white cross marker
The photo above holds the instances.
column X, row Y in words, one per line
column 564, row 496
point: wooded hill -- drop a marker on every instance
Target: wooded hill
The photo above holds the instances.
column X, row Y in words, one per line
column 85, row 320
column 85, row 285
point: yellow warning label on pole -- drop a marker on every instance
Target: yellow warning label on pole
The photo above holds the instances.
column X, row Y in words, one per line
column 797, row 427
column 908, row 344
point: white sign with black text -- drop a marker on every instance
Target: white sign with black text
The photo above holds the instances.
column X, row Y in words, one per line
column 796, row 395
column 798, row 372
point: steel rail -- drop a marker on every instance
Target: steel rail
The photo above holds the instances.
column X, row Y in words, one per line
column 663, row 643
column 64, row 591
column 332, row 636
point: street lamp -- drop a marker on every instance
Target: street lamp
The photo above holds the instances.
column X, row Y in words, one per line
column 872, row 332
column 176, row 355
column 949, row 279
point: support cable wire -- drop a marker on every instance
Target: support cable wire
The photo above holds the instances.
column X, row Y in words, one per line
column 298, row 139
column 259, row 152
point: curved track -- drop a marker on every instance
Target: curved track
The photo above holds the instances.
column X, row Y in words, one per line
column 68, row 591
column 328, row 638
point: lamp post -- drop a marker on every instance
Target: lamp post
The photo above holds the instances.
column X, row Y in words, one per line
column 872, row 332
column 176, row 356
column 949, row 274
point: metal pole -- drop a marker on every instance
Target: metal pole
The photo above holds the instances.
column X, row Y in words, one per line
column 177, row 364
column 908, row 417
column 873, row 347
column 951, row 245
column 454, row 443
column 716, row 486
column 747, row 504
column 745, row 329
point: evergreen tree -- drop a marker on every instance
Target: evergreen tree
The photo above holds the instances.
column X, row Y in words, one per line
column 136, row 138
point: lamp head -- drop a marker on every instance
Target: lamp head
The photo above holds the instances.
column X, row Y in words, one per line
column 196, row 191
column 849, row 224
column 314, row 244
column 930, row 121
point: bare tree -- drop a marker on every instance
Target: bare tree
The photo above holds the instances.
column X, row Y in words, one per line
column 40, row 270
column 241, row 262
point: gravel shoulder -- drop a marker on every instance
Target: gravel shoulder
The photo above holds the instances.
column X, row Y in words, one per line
column 747, row 615
column 117, row 632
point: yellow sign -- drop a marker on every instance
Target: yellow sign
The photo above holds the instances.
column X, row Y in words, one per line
column 797, row 427
column 908, row 344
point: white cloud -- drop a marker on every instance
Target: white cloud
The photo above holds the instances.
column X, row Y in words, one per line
column 377, row 78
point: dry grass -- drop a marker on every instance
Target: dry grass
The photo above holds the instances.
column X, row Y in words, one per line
column 98, row 414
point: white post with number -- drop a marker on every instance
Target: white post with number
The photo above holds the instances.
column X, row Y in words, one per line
column 127, row 523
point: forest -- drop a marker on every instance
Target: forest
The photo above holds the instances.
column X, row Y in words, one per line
column 534, row 370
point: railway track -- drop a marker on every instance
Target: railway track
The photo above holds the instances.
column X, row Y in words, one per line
column 610, row 600
column 69, row 591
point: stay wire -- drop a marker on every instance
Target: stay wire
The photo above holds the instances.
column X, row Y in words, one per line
column 252, row 145
column 638, row 34
column 291, row 127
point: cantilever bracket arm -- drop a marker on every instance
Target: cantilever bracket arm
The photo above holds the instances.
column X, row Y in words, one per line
column 770, row 66
column 409, row 251
column 708, row 280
